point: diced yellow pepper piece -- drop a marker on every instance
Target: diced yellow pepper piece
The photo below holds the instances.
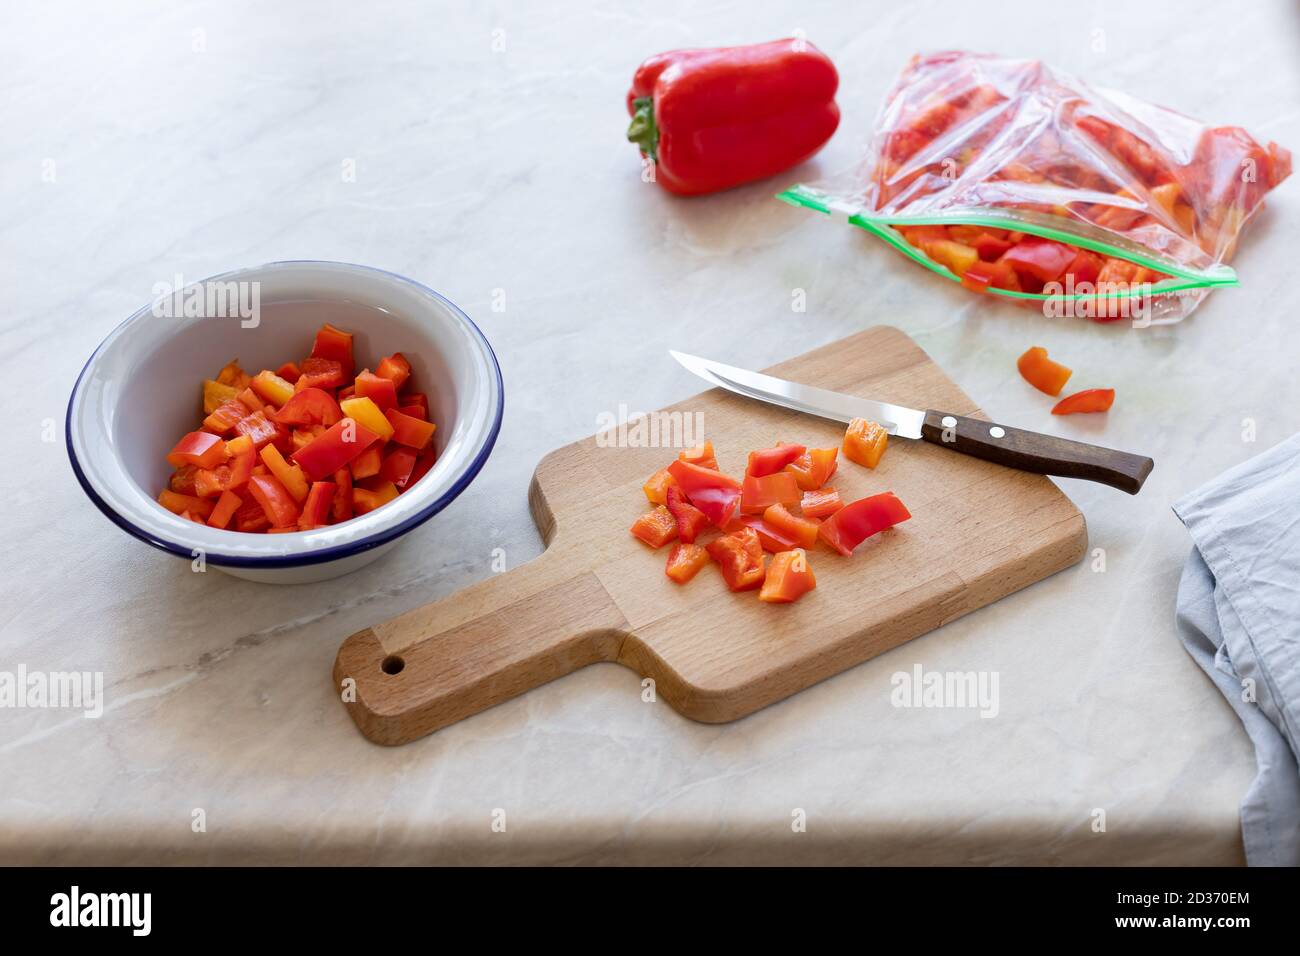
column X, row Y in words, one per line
column 656, row 486
column 214, row 393
column 291, row 476
column 232, row 374
column 238, row 445
column 272, row 388
column 864, row 442
column 954, row 255
column 368, row 415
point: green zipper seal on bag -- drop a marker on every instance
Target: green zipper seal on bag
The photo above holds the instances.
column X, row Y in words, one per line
column 1220, row 275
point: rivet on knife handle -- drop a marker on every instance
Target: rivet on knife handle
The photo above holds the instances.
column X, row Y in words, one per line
column 1032, row 451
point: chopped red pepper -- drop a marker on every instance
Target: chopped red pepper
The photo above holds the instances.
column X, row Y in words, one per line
column 320, row 372
column 243, row 457
column 415, row 398
column 997, row 275
column 656, row 486
column 367, row 463
column 1089, row 400
column 759, row 494
column 395, row 368
column 201, row 449
column 275, row 500
column 801, row 530
column 990, row 248
column 332, row 343
column 250, row 517
column 656, row 528
column 789, row 577
column 1040, row 258
column 233, row 375
column 182, row 480
column 854, row 523
column 262, row 430
column 178, row 503
column 701, row 455
column 316, row 509
column 412, row 432
column 226, row 416
column 1041, row 372
column 289, row 372
column 714, row 493
column 690, row 519
column 225, row 509
column 310, row 406
column 380, row 390
column 772, row 538
column 821, row 503
column 865, row 442
column 771, row 460
column 211, row 482
column 814, row 468
column 398, row 465
column 423, row 463
column 366, row 500
column 1086, row 267
column 250, row 399
column 341, row 507
column 685, row 560
column 741, row 559
column 331, row 451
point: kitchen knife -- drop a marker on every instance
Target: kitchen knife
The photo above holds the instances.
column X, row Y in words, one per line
column 1013, row 447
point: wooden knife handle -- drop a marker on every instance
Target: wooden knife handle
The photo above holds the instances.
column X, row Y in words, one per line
column 482, row 645
column 1032, row 451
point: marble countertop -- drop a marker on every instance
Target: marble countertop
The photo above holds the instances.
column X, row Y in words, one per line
column 151, row 139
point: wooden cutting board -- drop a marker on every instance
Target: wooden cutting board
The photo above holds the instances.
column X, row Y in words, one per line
column 978, row 532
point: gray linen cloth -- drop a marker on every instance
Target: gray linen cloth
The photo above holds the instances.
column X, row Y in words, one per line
column 1239, row 617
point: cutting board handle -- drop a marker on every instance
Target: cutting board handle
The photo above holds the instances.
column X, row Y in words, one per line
column 476, row 648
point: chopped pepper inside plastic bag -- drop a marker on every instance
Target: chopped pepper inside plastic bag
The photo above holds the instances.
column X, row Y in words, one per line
column 1022, row 182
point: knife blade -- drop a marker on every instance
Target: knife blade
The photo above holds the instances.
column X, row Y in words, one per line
column 1002, row 444
column 896, row 419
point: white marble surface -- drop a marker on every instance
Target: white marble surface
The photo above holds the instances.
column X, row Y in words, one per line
column 197, row 137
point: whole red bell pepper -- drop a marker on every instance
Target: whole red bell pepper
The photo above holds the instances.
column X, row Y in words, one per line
column 713, row 119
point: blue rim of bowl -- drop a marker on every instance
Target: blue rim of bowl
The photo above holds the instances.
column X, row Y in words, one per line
column 325, row 554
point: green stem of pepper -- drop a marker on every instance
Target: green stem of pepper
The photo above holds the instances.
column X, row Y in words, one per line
column 642, row 129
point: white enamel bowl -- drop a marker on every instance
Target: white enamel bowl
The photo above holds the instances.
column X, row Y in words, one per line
column 138, row 394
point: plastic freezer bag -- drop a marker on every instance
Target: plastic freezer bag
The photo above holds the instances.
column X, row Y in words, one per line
column 1021, row 182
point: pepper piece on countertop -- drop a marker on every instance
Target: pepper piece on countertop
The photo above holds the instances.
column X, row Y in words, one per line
column 1089, row 400
column 1041, row 372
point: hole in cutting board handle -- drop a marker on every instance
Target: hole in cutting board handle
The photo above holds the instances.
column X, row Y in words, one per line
column 392, row 664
